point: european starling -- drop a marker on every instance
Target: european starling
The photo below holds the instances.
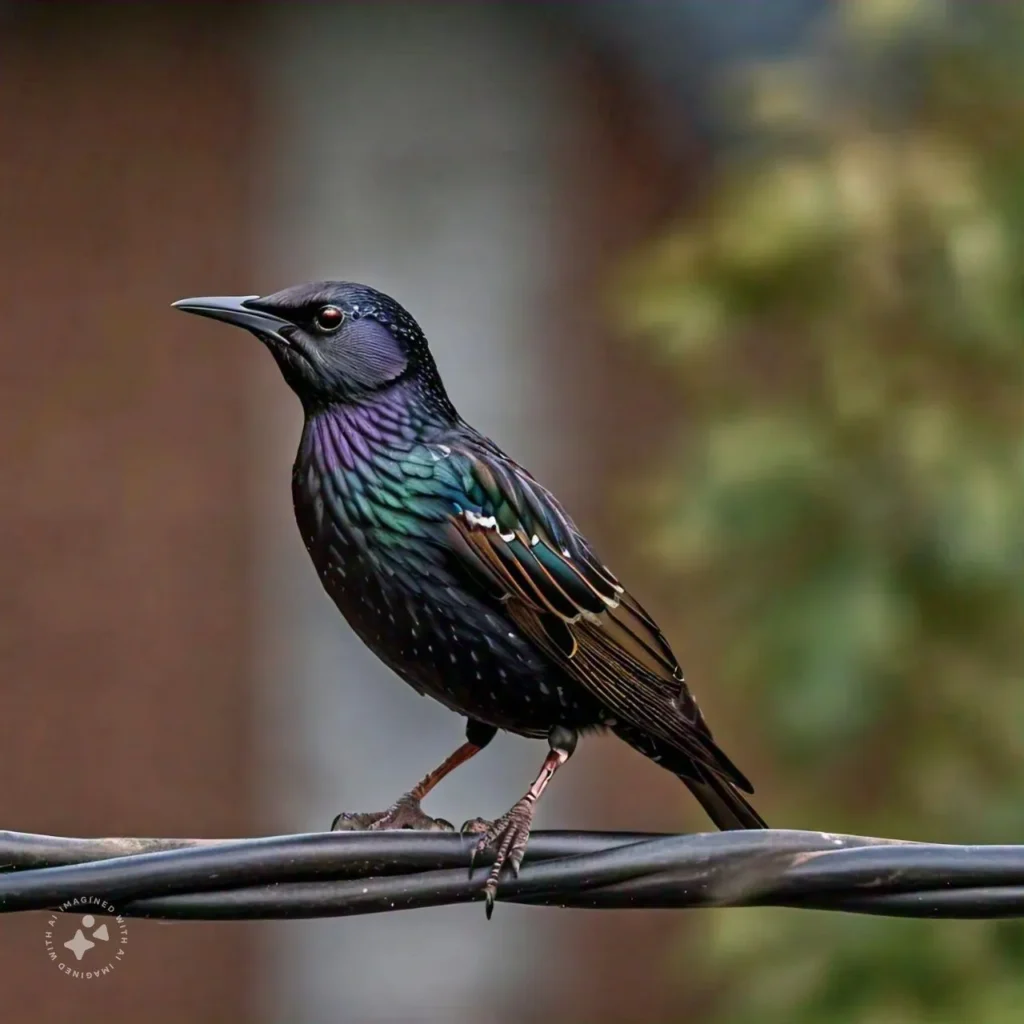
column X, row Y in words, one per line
column 460, row 571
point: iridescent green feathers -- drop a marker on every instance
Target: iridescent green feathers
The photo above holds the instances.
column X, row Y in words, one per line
column 512, row 534
column 456, row 513
column 449, row 561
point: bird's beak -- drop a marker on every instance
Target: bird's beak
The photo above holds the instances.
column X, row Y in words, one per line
column 234, row 309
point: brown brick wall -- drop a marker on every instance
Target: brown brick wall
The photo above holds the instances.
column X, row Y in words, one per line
column 124, row 694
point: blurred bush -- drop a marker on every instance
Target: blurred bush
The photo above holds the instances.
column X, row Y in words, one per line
column 845, row 315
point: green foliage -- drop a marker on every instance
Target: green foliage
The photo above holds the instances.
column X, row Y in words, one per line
column 845, row 316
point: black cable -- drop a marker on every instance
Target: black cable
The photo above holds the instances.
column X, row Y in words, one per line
column 347, row 873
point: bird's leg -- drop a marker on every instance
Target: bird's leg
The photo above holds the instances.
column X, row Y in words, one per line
column 508, row 835
column 406, row 812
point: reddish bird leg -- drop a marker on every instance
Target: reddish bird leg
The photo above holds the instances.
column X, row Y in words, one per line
column 508, row 835
column 406, row 812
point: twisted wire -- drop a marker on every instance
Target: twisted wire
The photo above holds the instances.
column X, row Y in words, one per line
column 337, row 874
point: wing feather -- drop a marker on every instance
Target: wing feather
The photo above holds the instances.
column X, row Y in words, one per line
column 514, row 535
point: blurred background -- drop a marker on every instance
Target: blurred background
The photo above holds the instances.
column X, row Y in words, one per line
column 740, row 281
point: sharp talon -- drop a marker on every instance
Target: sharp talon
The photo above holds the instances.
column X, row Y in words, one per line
column 352, row 822
column 507, row 836
column 478, row 847
column 491, row 888
column 516, row 854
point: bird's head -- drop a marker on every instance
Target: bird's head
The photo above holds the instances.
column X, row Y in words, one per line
column 333, row 340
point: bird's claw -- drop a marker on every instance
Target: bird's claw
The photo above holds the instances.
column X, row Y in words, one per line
column 507, row 836
column 405, row 813
column 475, row 826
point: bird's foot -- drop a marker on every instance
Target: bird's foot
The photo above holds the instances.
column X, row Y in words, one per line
column 507, row 836
column 404, row 813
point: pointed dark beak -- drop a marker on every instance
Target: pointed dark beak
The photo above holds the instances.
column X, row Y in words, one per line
column 235, row 309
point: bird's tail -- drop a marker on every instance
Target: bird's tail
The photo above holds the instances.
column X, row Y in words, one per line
column 725, row 805
column 721, row 799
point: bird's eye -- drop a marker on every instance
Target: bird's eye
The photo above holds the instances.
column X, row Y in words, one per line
column 328, row 319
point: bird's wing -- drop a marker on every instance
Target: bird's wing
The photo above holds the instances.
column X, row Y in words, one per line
column 515, row 539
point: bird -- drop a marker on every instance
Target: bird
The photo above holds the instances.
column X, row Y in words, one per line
column 462, row 573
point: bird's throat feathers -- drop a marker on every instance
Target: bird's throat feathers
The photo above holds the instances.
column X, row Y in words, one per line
column 352, row 435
